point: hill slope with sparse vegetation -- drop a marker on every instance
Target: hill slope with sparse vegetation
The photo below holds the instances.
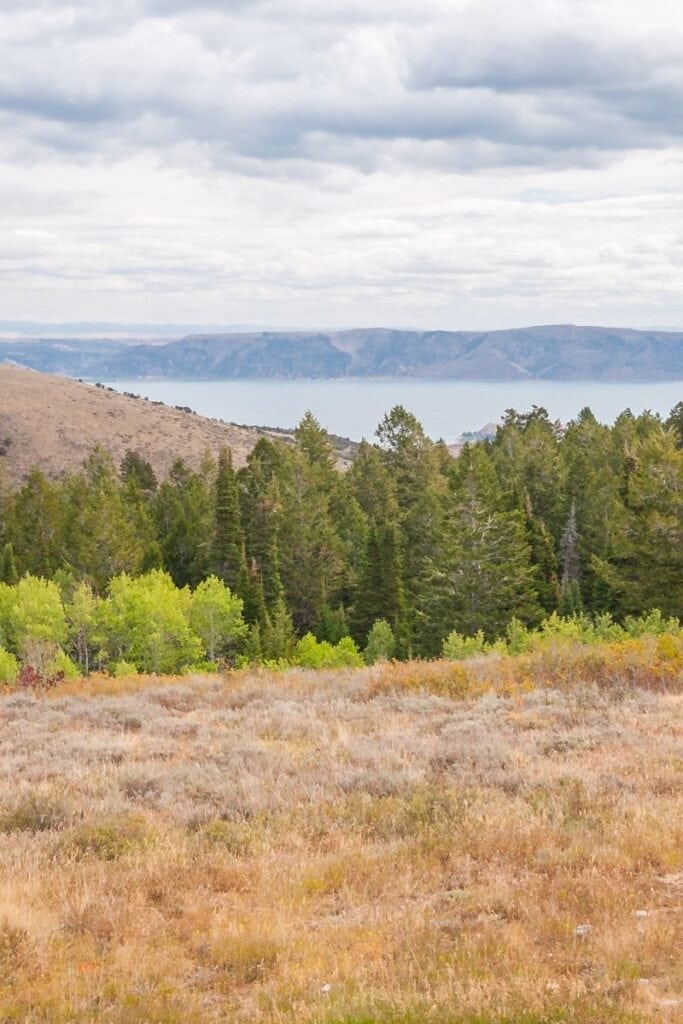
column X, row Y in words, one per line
column 53, row 423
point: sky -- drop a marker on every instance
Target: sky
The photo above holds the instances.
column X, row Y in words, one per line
column 317, row 163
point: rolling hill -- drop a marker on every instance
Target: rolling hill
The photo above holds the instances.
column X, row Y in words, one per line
column 53, row 422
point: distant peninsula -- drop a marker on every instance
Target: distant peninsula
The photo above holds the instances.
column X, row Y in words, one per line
column 555, row 352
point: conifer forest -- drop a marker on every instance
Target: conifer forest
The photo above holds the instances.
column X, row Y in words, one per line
column 289, row 559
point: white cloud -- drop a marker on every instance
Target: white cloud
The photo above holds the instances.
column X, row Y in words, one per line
column 303, row 163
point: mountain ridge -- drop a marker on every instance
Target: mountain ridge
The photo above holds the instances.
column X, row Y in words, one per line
column 550, row 352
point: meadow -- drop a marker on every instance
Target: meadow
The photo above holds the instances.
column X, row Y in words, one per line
column 491, row 841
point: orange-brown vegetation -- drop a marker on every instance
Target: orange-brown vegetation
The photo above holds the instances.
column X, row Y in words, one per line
column 497, row 840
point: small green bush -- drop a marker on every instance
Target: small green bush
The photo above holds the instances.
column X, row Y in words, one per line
column 234, row 836
column 650, row 624
column 110, row 838
column 61, row 662
column 121, row 669
column 312, row 653
column 456, row 647
column 9, row 667
column 32, row 812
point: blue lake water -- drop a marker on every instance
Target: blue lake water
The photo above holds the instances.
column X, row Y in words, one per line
column 353, row 408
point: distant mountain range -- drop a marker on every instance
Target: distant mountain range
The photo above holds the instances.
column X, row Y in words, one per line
column 558, row 352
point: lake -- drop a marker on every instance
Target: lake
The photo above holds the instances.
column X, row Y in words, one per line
column 353, row 408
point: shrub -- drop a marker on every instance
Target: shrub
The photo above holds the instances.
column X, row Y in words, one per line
column 121, row 669
column 9, row 667
column 62, row 665
column 33, row 812
column 235, row 836
column 201, row 668
column 312, row 653
column 650, row 624
column 518, row 638
column 456, row 646
column 16, row 950
column 110, row 838
column 242, row 959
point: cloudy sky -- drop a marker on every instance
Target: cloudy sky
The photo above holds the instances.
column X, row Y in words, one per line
column 342, row 162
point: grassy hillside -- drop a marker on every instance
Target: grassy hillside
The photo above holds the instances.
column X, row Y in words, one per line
column 53, row 422
column 491, row 841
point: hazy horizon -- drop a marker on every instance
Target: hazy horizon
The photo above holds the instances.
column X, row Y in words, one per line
column 10, row 330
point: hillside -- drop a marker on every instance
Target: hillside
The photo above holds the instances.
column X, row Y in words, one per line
column 559, row 352
column 53, row 422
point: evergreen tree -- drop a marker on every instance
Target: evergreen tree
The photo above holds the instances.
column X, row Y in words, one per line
column 380, row 593
column 36, row 526
column 182, row 511
column 311, row 554
column 593, row 471
column 8, row 565
column 259, row 484
column 314, row 444
column 135, row 468
column 381, row 643
column 487, row 577
column 227, row 554
column 277, row 637
column 411, row 458
column 570, row 586
column 675, row 423
column 526, row 454
column 646, row 569
column 99, row 539
column 544, row 559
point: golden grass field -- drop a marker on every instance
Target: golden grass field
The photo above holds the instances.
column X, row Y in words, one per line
column 496, row 842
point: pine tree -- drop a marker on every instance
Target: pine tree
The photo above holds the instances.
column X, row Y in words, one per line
column 182, row 511
column 570, row 587
column 487, row 576
column 277, row 638
column 8, row 566
column 646, row 567
column 99, row 539
column 227, row 553
column 260, row 502
column 36, row 526
column 412, row 459
column 380, row 593
column 314, row 444
column 526, row 454
column 134, row 467
column 543, row 558
column 311, row 553
column 675, row 422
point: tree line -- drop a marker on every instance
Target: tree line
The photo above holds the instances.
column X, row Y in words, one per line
column 407, row 546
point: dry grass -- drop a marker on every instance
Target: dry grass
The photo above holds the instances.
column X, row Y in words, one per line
column 346, row 847
column 75, row 417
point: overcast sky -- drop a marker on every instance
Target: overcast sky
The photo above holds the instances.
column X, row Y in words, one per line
column 323, row 163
